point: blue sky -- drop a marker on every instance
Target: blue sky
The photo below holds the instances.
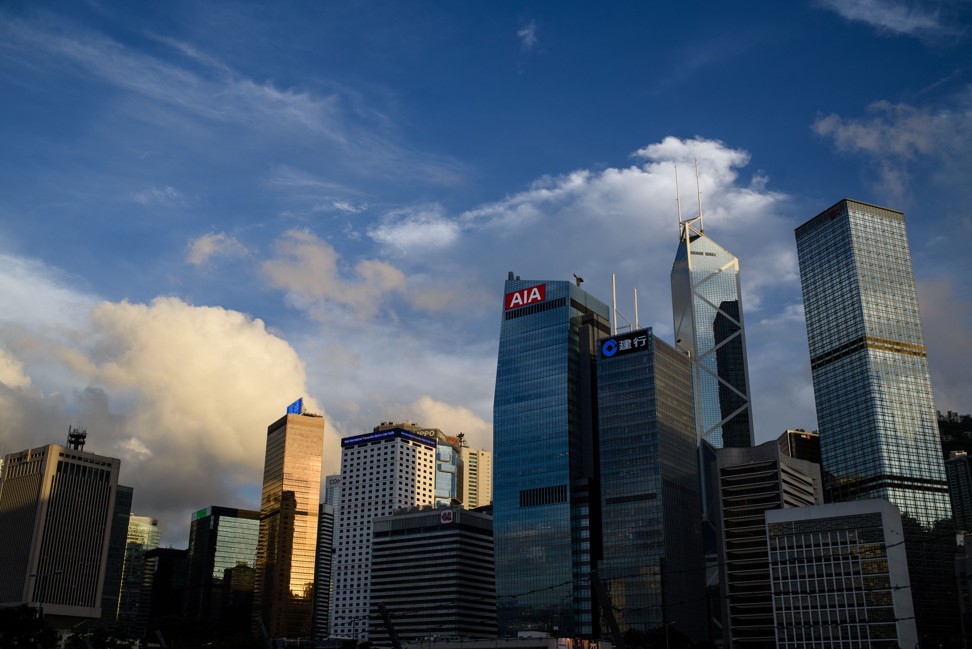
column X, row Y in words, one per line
column 210, row 209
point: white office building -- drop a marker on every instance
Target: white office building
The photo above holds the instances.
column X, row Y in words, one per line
column 391, row 468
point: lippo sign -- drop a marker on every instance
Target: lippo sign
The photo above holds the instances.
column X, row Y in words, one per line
column 526, row 296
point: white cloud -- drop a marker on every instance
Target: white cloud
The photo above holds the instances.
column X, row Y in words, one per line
column 908, row 18
column 182, row 394
column 420, row 231
column 894, row 136
column 359, row 138
column 12, row 372
column 307, row 269
column 156, row 196
column 528, row 35
column 216, row 244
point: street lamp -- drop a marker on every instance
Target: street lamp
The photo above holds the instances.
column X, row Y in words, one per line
column 41, row 578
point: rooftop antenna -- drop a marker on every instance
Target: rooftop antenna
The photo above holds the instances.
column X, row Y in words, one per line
column 637, row 326
column 698, row 188
column 614, row 307
column 678, row 201
column 76, row 437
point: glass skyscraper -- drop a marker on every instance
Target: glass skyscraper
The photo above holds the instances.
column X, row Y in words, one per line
column 649, row 486
column 544, row 470
column 875, row 411
column 222, row 558
column 284, row 580
column 709, row 328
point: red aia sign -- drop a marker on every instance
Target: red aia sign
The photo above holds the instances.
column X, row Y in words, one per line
column 526, row 296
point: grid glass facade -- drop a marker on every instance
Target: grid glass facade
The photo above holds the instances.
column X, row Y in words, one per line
column 544, row 456
column 650, row 508
column 708, row 315
column 878, row 428
column 284, row 580
column 839, row 577
column 222, row 545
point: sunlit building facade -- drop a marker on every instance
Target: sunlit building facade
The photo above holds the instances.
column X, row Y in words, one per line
column 222, row 544
column 388, row 469
column 476, row 487
column 143, row 535
column 649, row 485
column 284, row 580
column 544, row 470
column 875, row 410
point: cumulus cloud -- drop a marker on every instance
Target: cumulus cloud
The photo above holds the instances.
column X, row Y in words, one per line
column 894, row 136
column 895, row 17
column 451, row 420
column 307, row 269
column 182, row 394
column 216, row 244
column 415, row 231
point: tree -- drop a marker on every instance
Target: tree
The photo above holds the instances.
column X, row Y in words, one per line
column 20, row 628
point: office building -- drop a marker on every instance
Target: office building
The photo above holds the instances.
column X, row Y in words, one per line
column 143, row 535
column 323, row 571
column 433, row 572
column 707, row 306
column 323, row 567
column 116, row 555
column 284, row 580
column 448, row 470
column 476, row 489
column 649, row 486
column 56, row 507
column 958, row 472
column 544, row 495
column 875, row 411
column 799, row 444
column 749, row 483
column 222, row 543
column 162, row 596
column 840, row 577
column 390, row 468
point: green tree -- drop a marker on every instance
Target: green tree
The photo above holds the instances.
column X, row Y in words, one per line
column 20, row 628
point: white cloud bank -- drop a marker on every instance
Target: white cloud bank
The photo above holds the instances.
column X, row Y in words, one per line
column 898, row 17
column 181, row 393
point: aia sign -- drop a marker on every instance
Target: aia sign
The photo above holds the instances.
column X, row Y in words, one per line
column 526, row 296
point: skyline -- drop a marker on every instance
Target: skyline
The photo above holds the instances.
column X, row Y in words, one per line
column 207, row 212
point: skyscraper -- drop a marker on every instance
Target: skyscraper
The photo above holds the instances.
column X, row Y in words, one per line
column 433, row 571
column 649, row 486
column 544, row 494
column 392, row 467
column 878, row 428
column 750, row 482
column 708, row 313
column 284, row 586
column 221, row 539
column 143, row 535
column 476, row 489
column 56, row 506
column 116, row 555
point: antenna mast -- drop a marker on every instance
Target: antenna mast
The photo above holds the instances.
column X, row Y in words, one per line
column 678, row 201
column 698, row 188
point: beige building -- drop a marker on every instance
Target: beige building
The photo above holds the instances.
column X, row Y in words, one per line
column 476, row 487
column 56, row 507
column 283, row 593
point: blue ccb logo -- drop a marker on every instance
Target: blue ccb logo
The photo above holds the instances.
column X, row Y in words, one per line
column 609, row 348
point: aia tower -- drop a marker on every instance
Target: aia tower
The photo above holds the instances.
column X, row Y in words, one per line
column 594, row 470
